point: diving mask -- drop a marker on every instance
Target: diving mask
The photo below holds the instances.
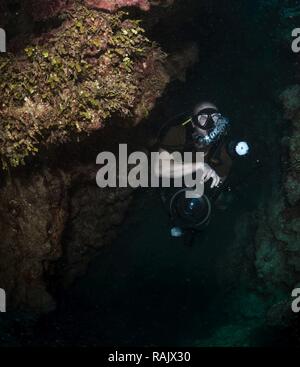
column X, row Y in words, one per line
column 206, row 119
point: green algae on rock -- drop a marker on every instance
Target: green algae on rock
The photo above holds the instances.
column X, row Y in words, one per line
column 73, row 80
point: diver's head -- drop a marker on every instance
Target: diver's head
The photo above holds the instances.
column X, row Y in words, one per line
column 203, row 106
column 208, row 123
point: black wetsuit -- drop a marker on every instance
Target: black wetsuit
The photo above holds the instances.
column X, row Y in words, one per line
column 176, row 136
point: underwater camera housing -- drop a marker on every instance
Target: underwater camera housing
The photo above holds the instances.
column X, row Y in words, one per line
column 193, row 213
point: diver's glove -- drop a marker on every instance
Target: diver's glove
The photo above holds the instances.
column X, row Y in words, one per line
column 210, row 173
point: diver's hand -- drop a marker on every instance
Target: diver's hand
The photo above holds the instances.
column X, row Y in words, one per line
column 210, row 173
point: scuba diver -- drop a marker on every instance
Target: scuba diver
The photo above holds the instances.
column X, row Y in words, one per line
column 206, row 131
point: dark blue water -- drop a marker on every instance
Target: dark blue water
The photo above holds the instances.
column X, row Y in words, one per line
column 149, row 289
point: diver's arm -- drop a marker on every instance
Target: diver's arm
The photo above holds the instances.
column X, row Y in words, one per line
column 172, row 169
column 166, row 166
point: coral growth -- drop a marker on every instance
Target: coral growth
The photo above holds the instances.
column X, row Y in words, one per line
column 94, row 67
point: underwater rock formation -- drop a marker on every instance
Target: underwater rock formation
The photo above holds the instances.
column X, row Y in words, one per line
column 90, row 72
column 266, row 251
column 40, row 10
column 291, row 101
column 113, row 5
column 264, row 258
column 64, row 86
column 37, row 210
column 284, row 218
column 277, row 236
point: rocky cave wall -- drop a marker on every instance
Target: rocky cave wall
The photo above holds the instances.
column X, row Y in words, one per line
column 264, row 257
column 277, row 238
column 82, row 68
